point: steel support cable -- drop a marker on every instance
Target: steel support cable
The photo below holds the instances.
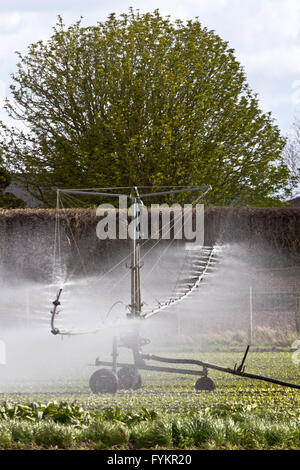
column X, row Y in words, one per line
column 73, row 332
column 129, row 255
column 153, row 246
column 128, row 272
column 152, row 312
column 114, row 267
column 127, row 187
column 196, row 284
column 72, row 199
column 172, row 241
column 175, row 219
column 105, row 274
column 142, row 244
column 126, row 257
column 54, row 312
column 115, row 195
column 75, row 243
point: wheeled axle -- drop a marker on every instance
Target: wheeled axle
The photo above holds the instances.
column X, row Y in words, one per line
column 129, row 372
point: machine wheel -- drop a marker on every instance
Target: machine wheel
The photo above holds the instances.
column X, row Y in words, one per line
column 128, row 378
column 205, row 383
column 104, row 381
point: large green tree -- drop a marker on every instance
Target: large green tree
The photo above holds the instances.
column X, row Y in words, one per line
column 139, row 99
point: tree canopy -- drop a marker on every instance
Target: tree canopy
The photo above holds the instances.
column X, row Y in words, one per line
column 141, row 100
column 8, row 200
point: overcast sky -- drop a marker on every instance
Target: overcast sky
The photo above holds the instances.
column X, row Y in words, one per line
column 264, row 33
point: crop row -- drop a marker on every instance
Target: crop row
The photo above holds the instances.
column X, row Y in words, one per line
column 226, row 427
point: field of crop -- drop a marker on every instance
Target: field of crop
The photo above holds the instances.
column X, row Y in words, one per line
column 167, row 412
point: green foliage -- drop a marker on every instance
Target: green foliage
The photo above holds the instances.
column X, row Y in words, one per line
column 141, row 100
column 5, row 178
column 151, row 434
column 70, row 413
column 107, row 433
column 8, row 200
column 59, row 412
column 128, row 417
column 245, row 429
column 169, row 413
column 53, row 435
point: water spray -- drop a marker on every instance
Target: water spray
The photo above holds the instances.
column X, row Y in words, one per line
column 105, row 380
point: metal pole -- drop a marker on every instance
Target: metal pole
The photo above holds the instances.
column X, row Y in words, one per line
column 138, row 280
column 133, row 262
column 114, row 355
column 136, row 303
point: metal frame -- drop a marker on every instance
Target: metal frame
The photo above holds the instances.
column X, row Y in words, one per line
column 134, row 341
column 237, row 370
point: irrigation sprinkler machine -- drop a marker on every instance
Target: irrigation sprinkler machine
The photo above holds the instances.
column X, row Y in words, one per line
column 113, row 375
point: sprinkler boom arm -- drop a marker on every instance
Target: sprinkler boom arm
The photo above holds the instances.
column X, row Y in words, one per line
column 237, row 370
column 56, row 331
column 54, row 312
column 136, row 302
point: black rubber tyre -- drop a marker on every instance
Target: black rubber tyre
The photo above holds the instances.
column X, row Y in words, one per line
column 128, row 378
column 103, row 381
column 205, row 383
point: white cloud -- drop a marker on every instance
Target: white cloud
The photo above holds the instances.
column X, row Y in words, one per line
column 296, row 93
column 48, row 5
column 9, row 22
column 2, row 92
column 282, row 17
column 273, row 62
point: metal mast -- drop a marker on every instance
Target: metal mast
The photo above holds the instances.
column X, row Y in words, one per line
column 136, row 303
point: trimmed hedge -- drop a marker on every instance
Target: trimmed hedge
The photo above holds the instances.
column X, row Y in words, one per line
column 27, row 236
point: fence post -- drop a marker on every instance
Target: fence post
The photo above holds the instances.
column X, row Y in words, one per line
column 297, row 314
column 250, row 316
